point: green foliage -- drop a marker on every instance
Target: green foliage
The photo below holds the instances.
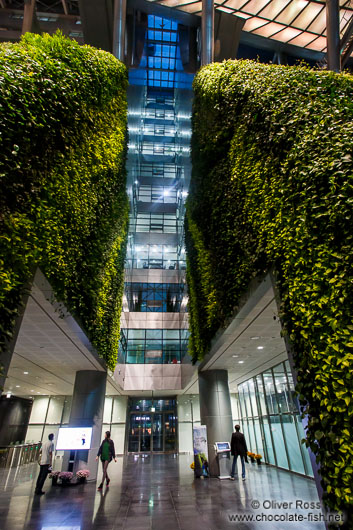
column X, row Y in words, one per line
column 272, row 188
column 63, row 202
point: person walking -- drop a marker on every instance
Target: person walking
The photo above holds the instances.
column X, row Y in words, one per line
column 107, row 453
column 45, row 462
column 238, row 448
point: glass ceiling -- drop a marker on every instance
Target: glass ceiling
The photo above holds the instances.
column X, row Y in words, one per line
column 298, row 22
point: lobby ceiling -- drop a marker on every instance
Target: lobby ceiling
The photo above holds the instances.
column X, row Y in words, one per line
column 251, row 343
column 50, row 348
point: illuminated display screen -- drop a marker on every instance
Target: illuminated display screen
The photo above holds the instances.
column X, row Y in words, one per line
column 71, row 438
column 222, row 446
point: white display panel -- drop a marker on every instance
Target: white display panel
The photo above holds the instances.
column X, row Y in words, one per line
column 222, row 447
column 71, row 438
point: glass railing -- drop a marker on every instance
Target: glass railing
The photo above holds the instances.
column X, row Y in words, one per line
column 155, row 264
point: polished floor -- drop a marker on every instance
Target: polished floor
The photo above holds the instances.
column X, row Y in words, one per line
column 160, row 493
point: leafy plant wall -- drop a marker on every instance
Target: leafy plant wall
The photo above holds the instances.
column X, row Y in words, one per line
column 272, row 187
column 63, row 202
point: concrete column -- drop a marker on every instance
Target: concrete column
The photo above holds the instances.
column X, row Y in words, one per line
column 333, row 35
column 215, row 411
column 119, row 29
column 207, row 32
column 87, row 411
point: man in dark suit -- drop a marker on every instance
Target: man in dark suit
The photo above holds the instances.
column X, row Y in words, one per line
column 238, row 448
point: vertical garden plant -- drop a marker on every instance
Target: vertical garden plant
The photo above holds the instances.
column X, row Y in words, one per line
column 272, row 189
column 63, row 203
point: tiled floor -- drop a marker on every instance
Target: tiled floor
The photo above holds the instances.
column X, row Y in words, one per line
column 157, row 493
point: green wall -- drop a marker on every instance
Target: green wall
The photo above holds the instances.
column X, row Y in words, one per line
column 62, row 189
column 272, row 189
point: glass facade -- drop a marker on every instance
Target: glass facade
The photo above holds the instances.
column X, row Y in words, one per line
column 153, row 346
column 154, row 297
column 161, row 64
column 270, row 419
column 157, row 257
column 158, row 174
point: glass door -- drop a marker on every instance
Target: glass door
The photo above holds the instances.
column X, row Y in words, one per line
column 134, row 434
column 140, row 433
column 158, row 432
column 170, row 422
column 152, row 431
column 145, row 433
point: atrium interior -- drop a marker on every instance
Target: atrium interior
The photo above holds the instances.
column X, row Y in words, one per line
column 156, row 400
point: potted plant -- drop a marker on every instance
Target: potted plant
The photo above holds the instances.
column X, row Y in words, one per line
column 258, row 459
column 251, row 456
column 54, row 477
column 65, row 477
column 82, row 475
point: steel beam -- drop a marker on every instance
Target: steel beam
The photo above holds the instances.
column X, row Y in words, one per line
column 333, row 35
column 119, row 29
column 207, row 32
column 28, row 15
column 346, row 44
column 347, row 53
column 64, row 4
column 347, row 35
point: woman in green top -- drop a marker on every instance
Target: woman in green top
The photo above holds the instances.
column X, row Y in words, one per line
column 107, row 453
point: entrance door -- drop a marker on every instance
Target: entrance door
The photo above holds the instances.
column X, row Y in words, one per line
column 134, row 434
column 157, row 432
column 145, row 433
column 170, row 431
column 152, row 432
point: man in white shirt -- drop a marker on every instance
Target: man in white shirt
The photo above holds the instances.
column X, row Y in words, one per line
column 46, row 460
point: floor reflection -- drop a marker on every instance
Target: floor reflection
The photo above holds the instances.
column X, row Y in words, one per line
column 154, row 492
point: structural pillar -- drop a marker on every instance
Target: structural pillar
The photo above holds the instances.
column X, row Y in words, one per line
column 215, row 411
column 28, row 16
column 207, row 32
column 333, row 35
column 119, row 29
column 87, row 411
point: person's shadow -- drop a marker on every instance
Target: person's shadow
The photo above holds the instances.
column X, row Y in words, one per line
column 35, row 513
column 100, row 519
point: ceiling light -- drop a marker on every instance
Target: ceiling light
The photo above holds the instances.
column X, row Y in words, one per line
column 32, row 390
column 260, row 347
column 166, row 193
column 38, row 392
column 17, row 386
column 8, row 394
column 235, row 355
column 26, row 373
column 254, row 338
column 240, row 362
